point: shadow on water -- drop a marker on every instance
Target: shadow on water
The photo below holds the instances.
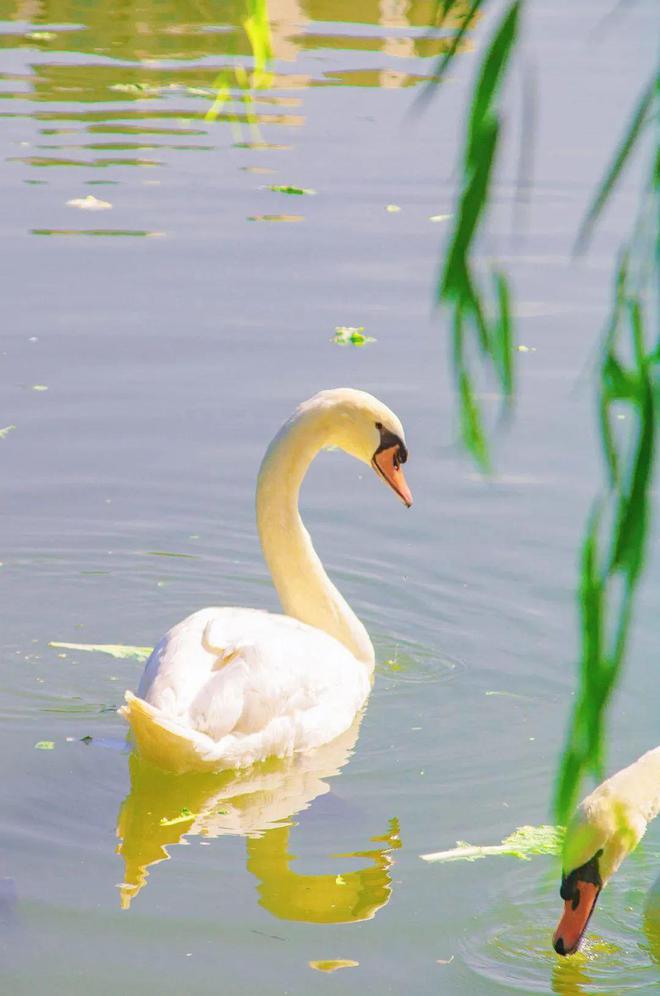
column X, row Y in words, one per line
column 162, row 809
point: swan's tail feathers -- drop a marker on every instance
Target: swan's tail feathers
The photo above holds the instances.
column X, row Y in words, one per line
column 164, row 742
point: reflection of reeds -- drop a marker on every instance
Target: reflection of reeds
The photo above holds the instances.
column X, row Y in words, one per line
column 257, row 29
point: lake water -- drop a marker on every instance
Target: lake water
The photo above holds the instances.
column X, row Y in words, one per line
column 148, row 354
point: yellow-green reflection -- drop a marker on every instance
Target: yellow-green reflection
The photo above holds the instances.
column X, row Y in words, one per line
column 258, row 804
column 570, row 976
column 345, row 897
column 48, row 161
column 276, row 217
column 104, row 232
column 231, row 70
column 253, row 42
column 651, row 920
column 333, row 965
column 242, row 29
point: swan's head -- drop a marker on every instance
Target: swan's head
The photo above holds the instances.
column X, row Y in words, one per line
column 366, row 428
column 603, row 831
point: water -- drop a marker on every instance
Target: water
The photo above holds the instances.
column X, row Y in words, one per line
column 173, row 333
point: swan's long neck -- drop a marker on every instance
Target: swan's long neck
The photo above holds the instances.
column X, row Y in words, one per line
column 303, row 587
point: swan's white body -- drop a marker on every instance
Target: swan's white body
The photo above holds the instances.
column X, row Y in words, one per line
column 230, row 686
column 608, row 824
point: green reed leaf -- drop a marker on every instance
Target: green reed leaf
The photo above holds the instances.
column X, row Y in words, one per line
column 640, row 117
column 476, row 320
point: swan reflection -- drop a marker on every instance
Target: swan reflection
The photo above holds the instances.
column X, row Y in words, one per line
column 259, row 803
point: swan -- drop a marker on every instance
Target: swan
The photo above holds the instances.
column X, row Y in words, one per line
column 228, row 687
column 607, row 826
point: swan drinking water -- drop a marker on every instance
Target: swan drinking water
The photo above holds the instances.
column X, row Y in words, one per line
column 230, row 686
column 607, row 826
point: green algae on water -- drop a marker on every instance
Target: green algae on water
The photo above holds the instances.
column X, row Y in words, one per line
column 350, row 335
column 523, row 843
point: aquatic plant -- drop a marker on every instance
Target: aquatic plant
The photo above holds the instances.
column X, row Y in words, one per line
column 523, row 843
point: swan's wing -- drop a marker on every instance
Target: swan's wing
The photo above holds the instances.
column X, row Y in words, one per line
column 253, row 683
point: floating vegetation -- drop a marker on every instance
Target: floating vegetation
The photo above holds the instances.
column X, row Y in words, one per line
column 100, row 232
column 89, row 203
column 5, row 432
column 39, row 387
column 171, row 553
column 119, row 650
column 276, row 217
column 332, row 965
column 351, row 335
column 440, row 217
column 392, row 666
column 392, row 208
column 287, row 189
column 523, row 843
column 185, row 816
column 45, row 745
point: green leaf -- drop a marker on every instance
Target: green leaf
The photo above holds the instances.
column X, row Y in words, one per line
column 523, row 843
column 503, row 335
column 287, row 189
column 445, row 60
column 471, row 424
column 45, row 745
column 626, row 146
column 490, row 80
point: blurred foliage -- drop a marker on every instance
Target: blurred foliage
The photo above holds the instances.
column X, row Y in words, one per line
column 616, row 541
column 479, row 325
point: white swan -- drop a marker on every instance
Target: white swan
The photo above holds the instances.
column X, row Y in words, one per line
column 607, row 826
column 230, row 686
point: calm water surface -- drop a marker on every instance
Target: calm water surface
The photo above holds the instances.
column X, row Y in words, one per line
column 149, row 352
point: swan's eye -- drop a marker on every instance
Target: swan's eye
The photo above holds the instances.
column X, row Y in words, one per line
column 388, row 440
column 588, row 872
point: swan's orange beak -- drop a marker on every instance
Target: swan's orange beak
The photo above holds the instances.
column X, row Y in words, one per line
column 577, row 912
column 386, row 463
